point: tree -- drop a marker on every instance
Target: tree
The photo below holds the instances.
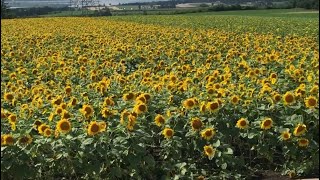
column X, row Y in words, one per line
column 4, row 9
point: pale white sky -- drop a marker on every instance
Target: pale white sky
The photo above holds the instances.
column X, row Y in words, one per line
column 115, row 2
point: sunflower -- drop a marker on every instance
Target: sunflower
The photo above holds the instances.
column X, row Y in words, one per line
column 103, row 126
column 131, row 122
column 2, row 140
column 107, row 112
column 8, row 139
column 209, row 151
column 87, row 111
column 108, row 102
column 300, row 130
column 68, row 90
column 47, row 132
column 93, row 128
column 288, row 98
column 189, row 103
column 203, row 107
column 159, row 120
column 124, row 114
column 276, row 97
column 285, row 135
column 12, row 118
column 196, row 124
column 303, row 142
column 266, row 123
column 311, row 102
column 314, row 89
column 234, row 99
column 8, row 97
column 208, row 133
column 24, row 140
column 42, row 128
column 147, row 96
column 72, row 102
column 242, row 123
column 128, row 96
column 59, row 110
column 141, row 98
column 213, row 106
column 210, row 90
column 140, row 108
column 63, row 126
column 65, row 114
column 168, row 132
column 57, row 101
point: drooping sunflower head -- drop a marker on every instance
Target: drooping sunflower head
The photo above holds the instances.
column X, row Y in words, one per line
column 159, row 120
column 93, row 128
column 266, row 123
column 63, row 126
column 203, row 107
column 196, row 124
column 131, row 122
column 300, row 129
column 303, row 142
column 311, row 102
column 168, row 133
column 242, row 123
column 209, row 151
column 208, row 133
column 288, row 98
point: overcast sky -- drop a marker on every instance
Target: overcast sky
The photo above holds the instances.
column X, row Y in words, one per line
column 125, row 1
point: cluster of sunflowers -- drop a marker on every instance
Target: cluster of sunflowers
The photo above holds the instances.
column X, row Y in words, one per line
column 65, row 77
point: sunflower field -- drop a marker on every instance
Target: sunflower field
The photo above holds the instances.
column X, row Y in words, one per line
column 127, row 98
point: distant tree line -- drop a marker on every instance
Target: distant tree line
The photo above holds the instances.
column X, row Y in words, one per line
column 307, row 4
column 38, row 11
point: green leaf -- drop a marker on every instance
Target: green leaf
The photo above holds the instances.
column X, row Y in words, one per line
column 150, row 160
column 183, row 171
column 216, row 144
column 229, row 151
column 251, row 135
column 87, row 141
column 224, row 166
column 116, row 172
column 181, row 165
